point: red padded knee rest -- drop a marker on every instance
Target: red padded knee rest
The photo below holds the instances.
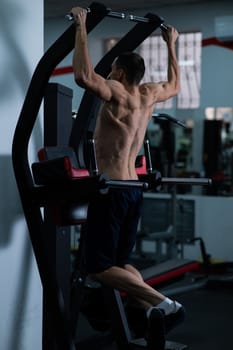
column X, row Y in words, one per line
column 58, row 164
column 70, row 165
column 140, row 165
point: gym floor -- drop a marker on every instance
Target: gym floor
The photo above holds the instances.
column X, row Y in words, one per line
column 208, row 324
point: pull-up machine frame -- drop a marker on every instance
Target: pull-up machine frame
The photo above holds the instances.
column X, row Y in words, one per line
column 32, row 197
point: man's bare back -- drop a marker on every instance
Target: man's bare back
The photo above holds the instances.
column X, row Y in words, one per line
column 120, row 131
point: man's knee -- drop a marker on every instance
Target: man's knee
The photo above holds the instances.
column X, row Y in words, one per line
column 94, row 276
column 101, row 275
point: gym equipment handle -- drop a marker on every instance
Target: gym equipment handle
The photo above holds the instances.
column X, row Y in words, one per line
column 126, row 184
column 146, row 20
column 122, row 15
column 110, row 13
column 186, row 181
column 168, row 117
column 148, row 156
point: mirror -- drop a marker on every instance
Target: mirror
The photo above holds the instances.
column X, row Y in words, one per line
column 218, row 149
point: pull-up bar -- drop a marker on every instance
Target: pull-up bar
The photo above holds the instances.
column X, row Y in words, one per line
column 130, row 17
column 110, row 13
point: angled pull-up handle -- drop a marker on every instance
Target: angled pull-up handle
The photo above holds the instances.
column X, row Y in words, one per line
column 130, row 17
column 168, row 117
column 110, row 13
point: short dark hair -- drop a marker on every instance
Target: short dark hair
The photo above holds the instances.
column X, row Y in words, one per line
column 133, row 66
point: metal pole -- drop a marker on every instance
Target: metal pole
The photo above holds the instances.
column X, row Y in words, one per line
column 186, row 181
column 148, row 156
column 125, row 184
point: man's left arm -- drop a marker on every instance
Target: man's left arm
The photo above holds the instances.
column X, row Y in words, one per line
column 166, row 89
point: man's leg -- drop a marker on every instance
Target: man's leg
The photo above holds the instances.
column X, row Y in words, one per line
column 133, row 301
column 130, row 281
column 132, row 269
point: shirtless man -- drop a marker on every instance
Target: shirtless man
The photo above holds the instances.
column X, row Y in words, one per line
column 121, row 125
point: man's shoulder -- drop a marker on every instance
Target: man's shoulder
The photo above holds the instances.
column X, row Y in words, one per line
column 148, row 85
column 114, row 83
column 148, row 88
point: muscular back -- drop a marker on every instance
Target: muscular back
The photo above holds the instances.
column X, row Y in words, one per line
column 120, row 130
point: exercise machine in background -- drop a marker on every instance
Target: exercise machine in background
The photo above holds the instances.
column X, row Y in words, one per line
column 167, row 223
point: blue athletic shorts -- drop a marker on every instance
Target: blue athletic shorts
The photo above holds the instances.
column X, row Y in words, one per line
column 111, row 228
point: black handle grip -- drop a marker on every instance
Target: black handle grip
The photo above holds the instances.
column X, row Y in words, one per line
column 163, row 27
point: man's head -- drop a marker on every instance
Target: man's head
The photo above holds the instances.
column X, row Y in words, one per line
column 131, row 64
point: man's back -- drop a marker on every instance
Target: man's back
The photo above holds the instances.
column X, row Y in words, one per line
column 120, row 131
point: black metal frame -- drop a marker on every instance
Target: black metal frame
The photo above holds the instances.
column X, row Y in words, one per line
column 31, row 207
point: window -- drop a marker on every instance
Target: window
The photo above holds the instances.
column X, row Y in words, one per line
column 189, row 56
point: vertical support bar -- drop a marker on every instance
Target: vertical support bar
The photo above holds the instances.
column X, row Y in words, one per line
column 57, row 127
column 119, row 323
column 93, row 160
column 148, row 156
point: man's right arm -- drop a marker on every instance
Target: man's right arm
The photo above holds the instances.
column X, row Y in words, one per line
column 84, row 73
